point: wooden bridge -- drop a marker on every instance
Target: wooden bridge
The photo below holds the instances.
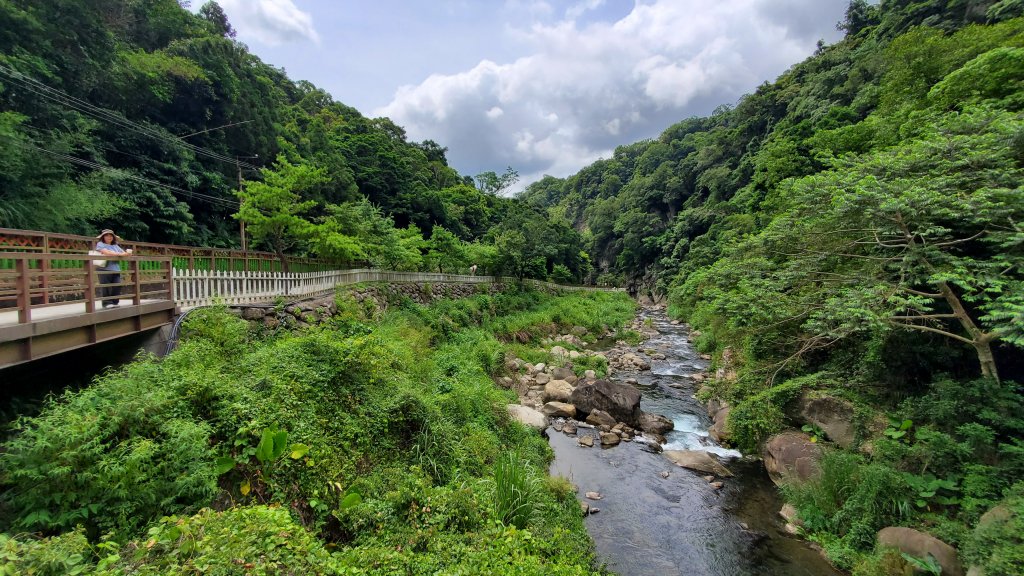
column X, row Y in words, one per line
column 49, row 288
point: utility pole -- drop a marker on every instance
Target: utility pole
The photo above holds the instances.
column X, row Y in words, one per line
column 241, row 223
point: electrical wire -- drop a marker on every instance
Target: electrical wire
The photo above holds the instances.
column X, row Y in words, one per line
column 223, row 202
column 53, row 94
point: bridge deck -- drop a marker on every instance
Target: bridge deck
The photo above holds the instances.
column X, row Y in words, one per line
column 57, row 329
column 10, row 317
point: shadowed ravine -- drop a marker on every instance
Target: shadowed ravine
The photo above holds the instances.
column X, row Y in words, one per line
column 679, row 524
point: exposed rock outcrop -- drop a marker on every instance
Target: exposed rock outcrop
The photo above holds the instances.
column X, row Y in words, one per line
column 791, row 456
column 833, row 415
column 921, row 545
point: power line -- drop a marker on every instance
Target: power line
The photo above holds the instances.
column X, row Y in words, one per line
column 99, row 113
column 223, row 202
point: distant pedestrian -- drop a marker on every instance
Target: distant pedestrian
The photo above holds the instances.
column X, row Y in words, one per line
column 472, row 270
column 110, row 275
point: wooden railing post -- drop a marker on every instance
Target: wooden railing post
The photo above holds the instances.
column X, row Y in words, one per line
column 136, row 282
column 24, row 300
column 90, row 287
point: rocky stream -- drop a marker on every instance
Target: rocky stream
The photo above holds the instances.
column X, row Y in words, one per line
column 646, row 512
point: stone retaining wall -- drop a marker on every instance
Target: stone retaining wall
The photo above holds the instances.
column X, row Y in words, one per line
column 379, row 295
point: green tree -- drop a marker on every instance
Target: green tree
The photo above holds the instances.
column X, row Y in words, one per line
column 445, row 250
column 924, row 236
column 495, row 184
column 273, row 209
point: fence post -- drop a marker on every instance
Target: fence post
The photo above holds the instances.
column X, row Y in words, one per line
column 170, row 280
column 136, row 283
column 24, row 301
column 90, row 287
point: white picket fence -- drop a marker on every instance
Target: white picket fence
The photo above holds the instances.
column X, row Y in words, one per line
column 194, row 288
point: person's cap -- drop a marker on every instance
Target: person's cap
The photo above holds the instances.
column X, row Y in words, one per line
column 107, row 231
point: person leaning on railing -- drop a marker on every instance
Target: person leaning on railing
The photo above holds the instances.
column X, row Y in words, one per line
column 107, row 244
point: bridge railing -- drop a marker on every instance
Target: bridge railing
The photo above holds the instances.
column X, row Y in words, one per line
column 184, row 257
column 34, row 281
column 206, row 287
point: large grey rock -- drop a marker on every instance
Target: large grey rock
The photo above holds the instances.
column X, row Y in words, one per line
column 654, row 423
column 620, row 401
column 697, row 460
column 834, row 416
column 557, row 390
column 791, row 456
column 921, row 545
column 527, row 416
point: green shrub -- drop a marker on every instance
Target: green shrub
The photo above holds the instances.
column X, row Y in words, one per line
column 225, row 333
column 69, row 553
column 997, row 546
column 257, row 540
column 111, row 457
column 852, row 499
column 756, row 418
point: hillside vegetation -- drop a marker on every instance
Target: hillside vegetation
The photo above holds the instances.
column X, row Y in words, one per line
column 376, row 443
column 853, row 230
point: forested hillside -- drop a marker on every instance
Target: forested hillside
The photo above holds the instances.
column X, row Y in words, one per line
column 852, row 230
column 147, row 117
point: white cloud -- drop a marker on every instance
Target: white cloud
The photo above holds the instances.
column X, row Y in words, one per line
column 271, row 22
column 607, row 82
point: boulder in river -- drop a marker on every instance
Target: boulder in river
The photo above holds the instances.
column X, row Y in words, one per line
column 600, row 418
column 697, row 460
column 559, row 410
column 655, row 423
column 610, row 439
column 719, row 430
column 791, row 456
column 620, row 401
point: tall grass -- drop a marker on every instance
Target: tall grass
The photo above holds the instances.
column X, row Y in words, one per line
column 515, row 491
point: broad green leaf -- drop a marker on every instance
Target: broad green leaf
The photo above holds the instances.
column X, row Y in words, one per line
column 298, row 451
column 224, row 464
column 349, row 501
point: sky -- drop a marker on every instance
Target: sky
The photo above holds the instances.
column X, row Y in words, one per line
column 545, row 87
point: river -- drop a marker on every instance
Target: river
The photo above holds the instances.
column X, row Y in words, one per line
column 650, row 524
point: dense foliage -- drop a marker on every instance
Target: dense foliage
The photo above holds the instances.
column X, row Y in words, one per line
column 851, row 229
column 152, row 117
column 356, row 447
